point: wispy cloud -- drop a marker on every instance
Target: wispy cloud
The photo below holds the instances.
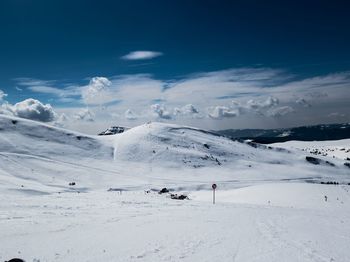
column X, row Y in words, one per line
column 141, row 55
column 280, row 111
column 228, row 96
column 47, row 90
column 2, row 95
column 85, row 115
column 25, row 81
column 66, row 94
column 130, row 115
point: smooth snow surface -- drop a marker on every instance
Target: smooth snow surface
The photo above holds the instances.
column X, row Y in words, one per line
column 339, row 149
column 265, row 210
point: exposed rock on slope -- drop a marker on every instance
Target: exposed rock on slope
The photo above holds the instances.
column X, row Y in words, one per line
column 113, row 131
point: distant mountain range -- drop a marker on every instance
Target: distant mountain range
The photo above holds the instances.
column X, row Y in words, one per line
column 267, row 136
column 303, row 133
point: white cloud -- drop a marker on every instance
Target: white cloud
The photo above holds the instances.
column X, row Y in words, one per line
column 31, row 109
column 159, row 111
column 47, row 90
column 257, row 104
column 280, row 111
column 97, row 91
column 137, row 89
column 188, row 109
column 2, row 95
column 68, row 93
column 141, row 55
column 220, row 112
column 336, row 115
column 129, row 90
column 302, row 102
column 25, row 81
column 61, row 120
column 225, row 85
column 85, row 115
column 130, row 115
column 257, row 93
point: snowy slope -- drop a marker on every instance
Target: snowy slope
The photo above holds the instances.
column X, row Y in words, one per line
column 264, row 212
column 37, row 158
column 172, row 144
column 151, row 155
column 306, row 195
column 133, row 226
column 19, row 136
column 339, row 149
column 174, row 147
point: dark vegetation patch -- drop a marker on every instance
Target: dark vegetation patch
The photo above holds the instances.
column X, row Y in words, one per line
column 163, row 190
column 172, row 196
column 317, row 161
column 115, row 189
column 257, row 145
column 330, row 183
column 327, row 182
column 178, row 197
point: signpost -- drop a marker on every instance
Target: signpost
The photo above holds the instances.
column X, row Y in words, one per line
column 213, row 186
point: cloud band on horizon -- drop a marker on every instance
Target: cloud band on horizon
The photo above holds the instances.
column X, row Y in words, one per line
column 255, row 97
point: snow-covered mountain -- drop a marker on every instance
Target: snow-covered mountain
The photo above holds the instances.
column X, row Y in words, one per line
column 84, row 196
column 35, row 154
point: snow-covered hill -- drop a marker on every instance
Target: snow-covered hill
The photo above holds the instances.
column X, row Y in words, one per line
column 339, row 149
column 150, row 155
column 36, row 158
column 184, row 146
column 25, row 137
column 264, row 209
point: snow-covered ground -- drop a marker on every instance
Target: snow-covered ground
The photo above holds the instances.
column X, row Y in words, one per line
column 133, row 226
column 339, row 149
column 265, row 209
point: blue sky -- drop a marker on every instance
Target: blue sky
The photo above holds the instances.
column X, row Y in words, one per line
column 52, row 50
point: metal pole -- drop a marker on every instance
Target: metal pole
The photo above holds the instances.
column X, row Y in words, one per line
column 213, row 186
column 213, row 196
